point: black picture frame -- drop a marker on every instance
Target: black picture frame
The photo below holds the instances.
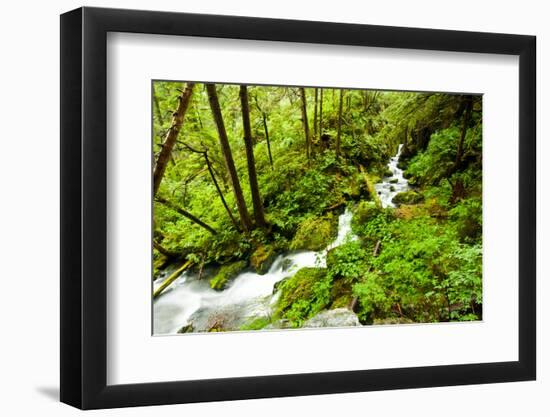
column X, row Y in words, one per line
column 84, row 207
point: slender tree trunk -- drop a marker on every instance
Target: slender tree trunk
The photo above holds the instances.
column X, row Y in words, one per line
column 252, row 177
column 171, row 137
column 186, row 214
column 264, row 118
column 339, row 122
column 465, row 121
column 304, row 119
column 321, row 115
column 315, row 113
column 213, row 177
column 226, row 151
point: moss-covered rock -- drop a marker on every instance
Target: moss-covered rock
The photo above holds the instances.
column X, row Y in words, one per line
column 226, row 274
column 365, row 211
column 315, row 233
column 303, row 295
column 341, row 294
column 407, row 197
column 262, row 258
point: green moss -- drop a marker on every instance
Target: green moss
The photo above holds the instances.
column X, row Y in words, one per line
column 365, row 211
column 341, row 294
column 315, row 233
column 262, row 258
column 303, row 295
column 256, row 324
column 408, row 197
column 226, row 273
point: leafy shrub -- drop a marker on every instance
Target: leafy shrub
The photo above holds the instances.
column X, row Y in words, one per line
column 303, row 295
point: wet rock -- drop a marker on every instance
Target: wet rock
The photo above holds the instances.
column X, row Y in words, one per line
column 340, row 317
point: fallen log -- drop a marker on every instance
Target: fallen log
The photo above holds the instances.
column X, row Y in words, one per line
column 171, row 279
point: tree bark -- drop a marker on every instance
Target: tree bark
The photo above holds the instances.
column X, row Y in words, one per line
column 315, row 130
column 304, row 119
column 171, row 137
column 186, row 214
column 246, row 222
column 339, row 122
column 465, row 121
column 213, row 177
column 252, row 177
column 321, row 116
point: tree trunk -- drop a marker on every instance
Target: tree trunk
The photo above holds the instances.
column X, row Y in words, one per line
column 229, row 163
column 321, row 115
column 465, row 121
column 315, row 114
column 186, row 214
column 252, row 178
column 304, row 119
column 171, row 137
column 264, row 118
column 339, row 122
column 171, row 279
column 213, row 177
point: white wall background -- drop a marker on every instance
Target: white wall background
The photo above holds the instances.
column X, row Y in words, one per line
column 29, row 225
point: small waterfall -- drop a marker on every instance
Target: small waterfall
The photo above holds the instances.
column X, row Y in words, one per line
column 394, row 184
column 249, row 296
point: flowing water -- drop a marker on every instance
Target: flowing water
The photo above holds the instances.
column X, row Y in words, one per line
column 394, row 184
column 249, row 296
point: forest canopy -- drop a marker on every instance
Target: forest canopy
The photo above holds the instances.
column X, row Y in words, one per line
column 345, row 207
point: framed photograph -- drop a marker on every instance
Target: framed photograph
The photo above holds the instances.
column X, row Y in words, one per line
column 257, row 208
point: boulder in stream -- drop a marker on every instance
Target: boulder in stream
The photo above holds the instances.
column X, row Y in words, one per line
column 407, row 197
column 262, row 258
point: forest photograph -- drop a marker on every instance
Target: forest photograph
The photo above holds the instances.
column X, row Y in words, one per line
column 289, row 207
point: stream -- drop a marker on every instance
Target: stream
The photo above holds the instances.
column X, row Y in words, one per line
column 190, row 300
column 394, row 184
column 249, row 296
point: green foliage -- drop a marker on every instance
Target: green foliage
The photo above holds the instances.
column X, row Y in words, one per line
column 425, row 270
column 347, row 261
column 303, row 295
column 427, row 262
column 225, row 274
